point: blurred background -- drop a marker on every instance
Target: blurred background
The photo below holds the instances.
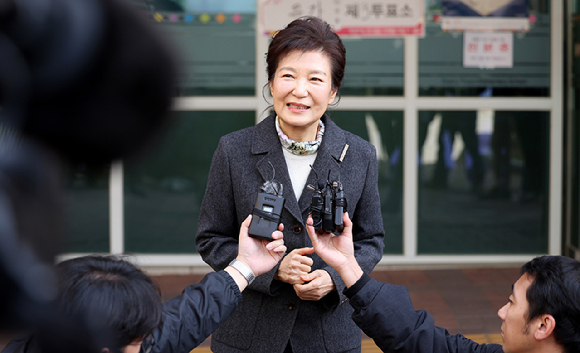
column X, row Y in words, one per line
column 477, row 164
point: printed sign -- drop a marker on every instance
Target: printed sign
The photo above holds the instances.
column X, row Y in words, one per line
column 488, row 50
column 354, row 18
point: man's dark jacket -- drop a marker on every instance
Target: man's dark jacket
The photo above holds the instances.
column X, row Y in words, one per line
column 385, row 313
column 188, row 318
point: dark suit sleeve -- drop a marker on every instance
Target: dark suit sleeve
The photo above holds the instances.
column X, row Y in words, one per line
column 195, row 314
column 19, row 345
column 385, row 313
column 368, row 231
column 218, row 228
column 219, row 221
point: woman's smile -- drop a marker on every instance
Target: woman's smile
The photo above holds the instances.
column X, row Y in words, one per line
column 297, row 107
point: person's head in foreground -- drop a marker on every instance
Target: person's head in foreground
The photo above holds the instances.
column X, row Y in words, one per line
column 115, row 294
column 543, row 311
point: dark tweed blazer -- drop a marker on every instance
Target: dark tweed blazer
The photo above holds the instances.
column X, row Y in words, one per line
column 271, row 313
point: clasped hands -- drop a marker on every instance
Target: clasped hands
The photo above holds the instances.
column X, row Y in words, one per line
column 295, row 269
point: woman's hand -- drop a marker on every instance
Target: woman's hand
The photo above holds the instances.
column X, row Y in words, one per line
column 316, row 285
column 294, row 265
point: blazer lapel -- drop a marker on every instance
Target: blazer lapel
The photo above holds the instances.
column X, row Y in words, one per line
column 265, row 142
column 327, row 158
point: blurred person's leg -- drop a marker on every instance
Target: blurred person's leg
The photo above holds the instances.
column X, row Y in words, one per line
column 501, row 151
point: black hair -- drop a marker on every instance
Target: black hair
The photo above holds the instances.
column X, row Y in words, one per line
column 308, row 34
column 113, row 294
column 556, row 291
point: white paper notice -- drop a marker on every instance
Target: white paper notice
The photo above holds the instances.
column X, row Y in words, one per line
column 488, row 50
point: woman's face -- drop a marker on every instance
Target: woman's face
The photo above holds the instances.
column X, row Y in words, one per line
column 302, row 90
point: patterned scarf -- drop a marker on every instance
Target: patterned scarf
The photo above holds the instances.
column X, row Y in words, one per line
column 300, row 148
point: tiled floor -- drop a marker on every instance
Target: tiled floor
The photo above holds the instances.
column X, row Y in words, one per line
column 463, row 300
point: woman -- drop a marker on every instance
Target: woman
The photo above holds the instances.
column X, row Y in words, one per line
column 299, row 305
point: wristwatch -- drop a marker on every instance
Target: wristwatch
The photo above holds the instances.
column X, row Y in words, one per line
column 244, row 270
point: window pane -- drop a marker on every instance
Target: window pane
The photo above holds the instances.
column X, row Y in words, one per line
column 384, row 129
column 483, row 182
column 216, row 43
column 441, row 72
column 374, row 67
column 87, row 209
column 164, row 188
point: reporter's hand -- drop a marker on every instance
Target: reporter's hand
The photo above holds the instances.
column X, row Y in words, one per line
column 337, row 250
column 317, row 284
column 294, row 265
column 259, row 254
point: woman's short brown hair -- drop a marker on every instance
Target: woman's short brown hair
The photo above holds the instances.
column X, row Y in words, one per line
column 308, row 34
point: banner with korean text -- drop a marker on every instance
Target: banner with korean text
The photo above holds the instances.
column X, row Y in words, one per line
column 350, row 18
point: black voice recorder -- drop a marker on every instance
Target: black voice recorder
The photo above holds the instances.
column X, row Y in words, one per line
column 327, row 206
column 266, row 216
column 267, row 210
